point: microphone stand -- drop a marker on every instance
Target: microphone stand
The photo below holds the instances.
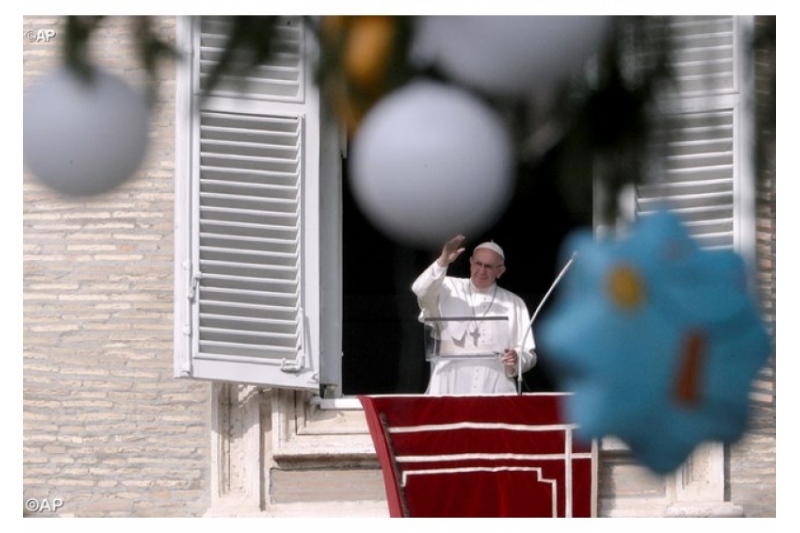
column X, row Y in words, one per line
column 535, row 314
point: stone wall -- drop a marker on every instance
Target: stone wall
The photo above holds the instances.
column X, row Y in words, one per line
column 107, row 430
column 752, row 461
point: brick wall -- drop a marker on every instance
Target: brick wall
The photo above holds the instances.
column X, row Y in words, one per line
column 752, row 461
column 107, row 430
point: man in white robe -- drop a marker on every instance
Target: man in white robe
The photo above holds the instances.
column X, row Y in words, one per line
column 476, row 298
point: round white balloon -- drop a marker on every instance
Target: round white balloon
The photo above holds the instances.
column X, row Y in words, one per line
column 84, row 137
column 509, row 55
column 431, row 161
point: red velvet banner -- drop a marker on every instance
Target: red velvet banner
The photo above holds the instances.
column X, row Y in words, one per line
column 481, row 456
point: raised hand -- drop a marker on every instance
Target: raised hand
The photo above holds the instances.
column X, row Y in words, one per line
column 451, row 250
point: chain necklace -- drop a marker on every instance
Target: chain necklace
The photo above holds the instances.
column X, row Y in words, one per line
column 475, row 333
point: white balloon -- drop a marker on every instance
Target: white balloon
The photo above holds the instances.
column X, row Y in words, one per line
column 83, row 137
column 509, row 55
column 431, row 161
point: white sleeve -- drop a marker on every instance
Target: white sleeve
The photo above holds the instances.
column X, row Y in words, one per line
column 428, row 287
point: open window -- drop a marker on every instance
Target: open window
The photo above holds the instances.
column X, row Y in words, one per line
column 281, row 281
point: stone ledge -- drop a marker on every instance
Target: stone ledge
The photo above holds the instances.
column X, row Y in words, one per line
column 704, row 510
column 361, row 509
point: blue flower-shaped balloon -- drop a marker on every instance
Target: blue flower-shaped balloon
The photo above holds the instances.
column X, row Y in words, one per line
column 658, row 340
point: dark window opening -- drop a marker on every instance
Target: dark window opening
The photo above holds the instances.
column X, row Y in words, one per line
column 381, row 336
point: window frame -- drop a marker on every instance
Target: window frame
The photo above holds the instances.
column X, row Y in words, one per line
column 322, row 233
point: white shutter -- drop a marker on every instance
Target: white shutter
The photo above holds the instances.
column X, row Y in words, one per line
column 242, row 308
column 707, row 175
column 698, row 177
column 704, row 54
column 282, row 78
column 249, row 229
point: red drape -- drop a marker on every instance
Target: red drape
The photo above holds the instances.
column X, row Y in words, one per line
column 480, row 456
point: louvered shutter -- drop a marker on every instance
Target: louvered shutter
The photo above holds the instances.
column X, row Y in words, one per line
column 698, row 177
column 706, row 176
column 282, row 78
column 248, row 315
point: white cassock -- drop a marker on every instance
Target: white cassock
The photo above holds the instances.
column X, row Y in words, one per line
column 439, row 295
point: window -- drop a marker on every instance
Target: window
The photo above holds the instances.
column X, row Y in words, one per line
column 276, row 271
column 280, row 280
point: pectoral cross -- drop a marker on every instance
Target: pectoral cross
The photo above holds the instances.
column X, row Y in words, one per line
column 475, row 334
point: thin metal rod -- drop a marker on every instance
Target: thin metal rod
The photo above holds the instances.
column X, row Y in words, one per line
column 536, row 313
